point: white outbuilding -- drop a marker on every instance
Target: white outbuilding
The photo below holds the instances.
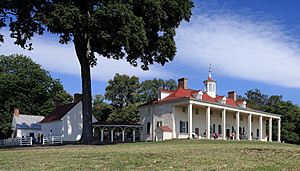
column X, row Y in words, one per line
column 66, row 121
column 163, row 133
column 26, row 125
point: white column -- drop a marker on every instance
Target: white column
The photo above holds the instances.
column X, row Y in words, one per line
column 237, row 119
column 249, row 126
column 123, row 134
column 270, row 129
column 279, row 129
column 260, row 127
column 102, row 135
column 133, row 135
column 112, row 135
column 208, row 122
column 190, row 121
column 224, row 124
column 174, row 123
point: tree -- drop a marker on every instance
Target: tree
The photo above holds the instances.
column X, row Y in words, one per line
column 26, row 85
column 123, row 90
column 126, row 114
column 142, row 31
column 101, row 110
column 256, row 100
column 150, row 88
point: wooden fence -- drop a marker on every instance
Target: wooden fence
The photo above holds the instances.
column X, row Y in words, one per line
column 16, row 142
column 52, row 140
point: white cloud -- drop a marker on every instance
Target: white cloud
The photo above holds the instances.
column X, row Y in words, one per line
column 62, row 59
column 240, row 47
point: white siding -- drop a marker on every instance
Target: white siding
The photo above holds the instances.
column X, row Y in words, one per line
column 55, row 126
column 70, row 126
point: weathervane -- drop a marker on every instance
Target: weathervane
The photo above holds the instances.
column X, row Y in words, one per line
column 209, row 71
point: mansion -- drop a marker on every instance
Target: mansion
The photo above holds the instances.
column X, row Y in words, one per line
column 186, row 113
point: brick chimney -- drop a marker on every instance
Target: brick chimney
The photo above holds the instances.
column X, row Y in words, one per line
column 57, row 103
column 232, row 95
column 77, row 97
column 182, row 83
column 16, row 112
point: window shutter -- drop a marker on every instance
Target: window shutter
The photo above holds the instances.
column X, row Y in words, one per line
column 187, row 127
column 180, row 126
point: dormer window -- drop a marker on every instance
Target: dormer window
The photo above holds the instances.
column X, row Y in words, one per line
column 198, row 95
column 243, row 104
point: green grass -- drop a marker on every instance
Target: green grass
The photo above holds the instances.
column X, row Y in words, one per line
column 169, row 155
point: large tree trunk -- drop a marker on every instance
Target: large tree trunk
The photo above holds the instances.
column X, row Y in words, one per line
column 82, row 51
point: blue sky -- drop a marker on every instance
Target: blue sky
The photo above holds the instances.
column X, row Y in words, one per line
column 250, row 43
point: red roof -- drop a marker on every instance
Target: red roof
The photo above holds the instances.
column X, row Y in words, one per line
column 58, row 113
column 165, row 129
column 181, row 93
column 177, row 94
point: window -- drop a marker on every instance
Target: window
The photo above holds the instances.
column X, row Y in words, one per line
column 148, row 127
column 257, row 132
column 214, row 128
column 158, row 123
column 210, row 88
column 232, row 129
column 197, row 111
column 221, row 115
column 243, row 130
column 240, row 130
column 220, row 129
column 211, row 113
column 183, row 126
column 184, row 109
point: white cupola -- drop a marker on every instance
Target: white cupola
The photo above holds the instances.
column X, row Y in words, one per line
column 210, row 85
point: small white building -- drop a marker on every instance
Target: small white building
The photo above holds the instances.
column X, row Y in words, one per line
column 163, row 133
column 193, row 113
column 26, row 125
column 65, row 121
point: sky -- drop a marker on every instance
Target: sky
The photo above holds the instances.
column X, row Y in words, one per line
column 251, row 44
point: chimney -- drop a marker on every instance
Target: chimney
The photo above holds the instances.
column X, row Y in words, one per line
column 182, row 83
column 57, row 103
column 16, row 112
column 77, row 97
column 232, row 95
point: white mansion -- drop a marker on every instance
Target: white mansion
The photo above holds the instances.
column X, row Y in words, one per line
column 187, row 113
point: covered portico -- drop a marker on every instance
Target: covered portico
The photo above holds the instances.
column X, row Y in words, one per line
column 229, row 119
column 116, row 132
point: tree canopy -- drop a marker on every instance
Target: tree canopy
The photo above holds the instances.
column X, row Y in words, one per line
column 142, row 31
column 150, row 88
column 26, row 85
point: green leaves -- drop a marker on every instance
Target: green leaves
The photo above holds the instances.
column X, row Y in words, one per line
column 140, row 30
column 26, row 85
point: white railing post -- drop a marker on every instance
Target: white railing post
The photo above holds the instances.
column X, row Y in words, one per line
column 31, row 141
column 20, row 141
column 133, row 135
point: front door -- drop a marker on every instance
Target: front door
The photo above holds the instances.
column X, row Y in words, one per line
column 197, row 131
column 228, row 132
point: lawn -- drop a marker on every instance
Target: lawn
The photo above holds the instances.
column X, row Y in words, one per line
column 169, row 155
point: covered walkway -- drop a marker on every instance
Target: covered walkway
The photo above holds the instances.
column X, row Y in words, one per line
column 117, row 132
